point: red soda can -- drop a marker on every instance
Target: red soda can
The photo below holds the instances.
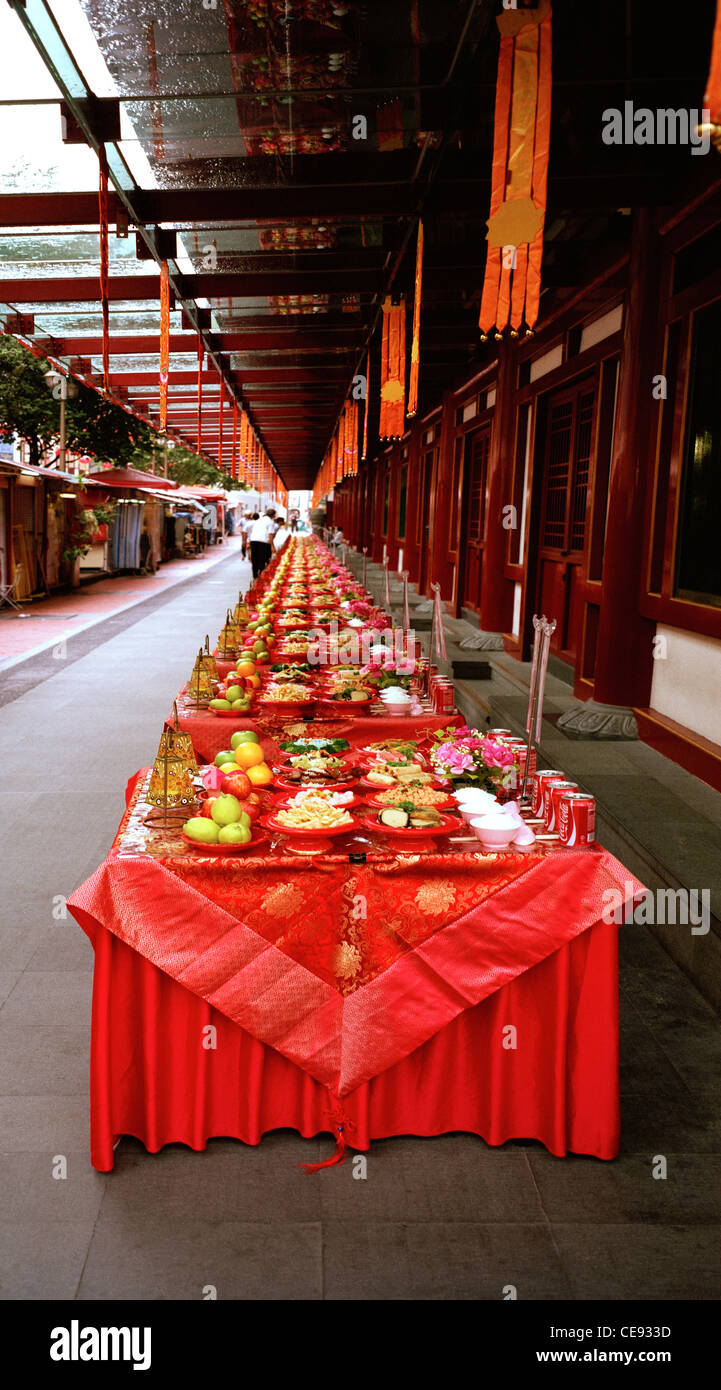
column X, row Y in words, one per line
column 500, row 735
column 444, row 701
column 551, row 793
column 538, row 783
column 576, row 818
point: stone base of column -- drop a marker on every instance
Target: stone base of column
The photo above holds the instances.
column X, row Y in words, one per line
column 482, row 642
column 592, row 720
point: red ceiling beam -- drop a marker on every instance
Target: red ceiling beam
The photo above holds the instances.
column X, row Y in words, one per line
column 85, row 288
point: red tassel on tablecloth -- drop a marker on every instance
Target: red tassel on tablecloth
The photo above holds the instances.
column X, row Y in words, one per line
column 336, row 1158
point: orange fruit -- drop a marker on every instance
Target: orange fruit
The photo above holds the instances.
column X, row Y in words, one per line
column 259, row 774
column 248, row 755
column 246, row 668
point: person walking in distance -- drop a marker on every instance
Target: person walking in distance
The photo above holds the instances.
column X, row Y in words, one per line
column 260, row 547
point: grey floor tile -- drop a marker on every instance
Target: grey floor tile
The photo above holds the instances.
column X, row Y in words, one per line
column 34, row 1192
column 450, row 1178
column 153, row 1257
column 18, row 945
column 625, row 1190
column 62, row 946
column 42, row 1123
column 8, row 981
column 43, row 1263
column 652, row 1124
column 49, row 997
column 642, row 1261
column 430, row 1260
column 41, row 1060
column 228, row 1181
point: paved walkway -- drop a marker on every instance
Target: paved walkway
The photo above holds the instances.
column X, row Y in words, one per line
column 445, row 1218
column 50, row 620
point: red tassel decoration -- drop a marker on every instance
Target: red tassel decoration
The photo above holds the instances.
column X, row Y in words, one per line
column 336, row 1158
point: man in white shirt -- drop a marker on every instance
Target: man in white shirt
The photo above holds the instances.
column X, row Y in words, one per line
column 281, row 536
column 259, row 536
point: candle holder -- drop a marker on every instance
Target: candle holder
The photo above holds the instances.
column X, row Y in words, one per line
column 200, row 689
column 209, row 661
column 170, row 789
column 386, row 585
column 406, row 607
column 228, row 638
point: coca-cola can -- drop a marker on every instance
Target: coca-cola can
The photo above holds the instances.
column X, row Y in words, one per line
column 500, row 734
column 538, row 784
column 432, row 678
column 551, row 793
column 576, row 813
column 444, row 699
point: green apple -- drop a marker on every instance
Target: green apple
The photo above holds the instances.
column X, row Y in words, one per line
column 219, row 704
column 235, row 834
column 241, row 704
column 226, row 756
column 202, row 829
column 233, row 692
column 226, row 809
column 244, row 736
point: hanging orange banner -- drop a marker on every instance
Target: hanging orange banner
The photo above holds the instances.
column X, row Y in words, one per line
column 712, row 97
column 393, row 370
column 416, row 343
column 521, row 138
column 364, row 449
column 164, row 343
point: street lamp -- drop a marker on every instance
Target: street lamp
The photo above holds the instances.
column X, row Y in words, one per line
column 63, row 389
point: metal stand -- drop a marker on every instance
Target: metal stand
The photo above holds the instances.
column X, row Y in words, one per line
column 543, row 631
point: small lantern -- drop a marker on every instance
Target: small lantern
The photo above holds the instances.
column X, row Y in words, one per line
column 171, row 786
column 200, row 690
column 228, row 638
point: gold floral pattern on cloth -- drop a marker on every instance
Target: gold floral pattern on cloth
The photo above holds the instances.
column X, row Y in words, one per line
column 282, row 899
column 435, row 897
column 346, row 923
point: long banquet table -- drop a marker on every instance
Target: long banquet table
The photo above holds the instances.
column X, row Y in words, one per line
column 210, row 732
column 363, row 997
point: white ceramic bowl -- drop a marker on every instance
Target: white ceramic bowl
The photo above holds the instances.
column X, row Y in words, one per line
column 397, row 707
column 480, row 804
column 493, row 831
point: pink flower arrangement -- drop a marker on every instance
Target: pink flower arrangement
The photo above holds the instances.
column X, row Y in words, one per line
column 468, row 758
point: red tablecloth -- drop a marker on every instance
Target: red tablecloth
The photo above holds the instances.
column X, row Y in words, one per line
column 344, row 985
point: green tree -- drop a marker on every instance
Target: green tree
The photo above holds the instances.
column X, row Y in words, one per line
column 93, row 424
column 27, row 408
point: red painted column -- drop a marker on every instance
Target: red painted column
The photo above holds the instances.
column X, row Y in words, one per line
column 496, row 613
column 624, row 652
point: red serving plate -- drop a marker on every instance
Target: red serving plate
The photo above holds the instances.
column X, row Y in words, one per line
column 310, row 786
column 259, row 838
column 450, row 823
column 345, row 705
column 385, row 805
column 286, row 704
column 271, row 823
column 347, row 805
